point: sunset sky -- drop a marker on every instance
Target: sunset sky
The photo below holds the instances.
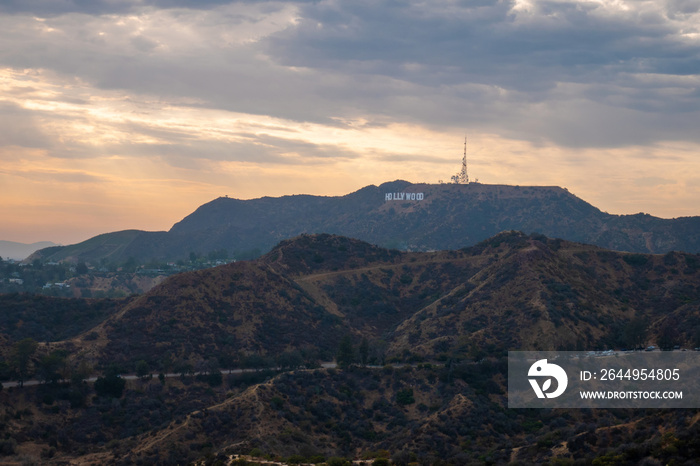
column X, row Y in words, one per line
column 130, row 114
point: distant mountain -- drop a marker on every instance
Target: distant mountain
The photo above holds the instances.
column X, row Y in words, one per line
column 417, row 217
column 20, row 251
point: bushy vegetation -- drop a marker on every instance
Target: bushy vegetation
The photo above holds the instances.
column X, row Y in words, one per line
column 46, row 318
column 446, row 319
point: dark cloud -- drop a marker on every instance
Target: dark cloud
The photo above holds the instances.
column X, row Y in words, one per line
column 578, row 74
column 480, row 43
column 680, row 9
column 441, row 52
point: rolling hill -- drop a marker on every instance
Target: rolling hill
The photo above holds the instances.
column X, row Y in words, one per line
column 448, row 216
column 513, row 291
column 447, row 316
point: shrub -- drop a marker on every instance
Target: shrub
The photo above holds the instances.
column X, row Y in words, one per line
column 277, row 402
column 338, row 461
column 256, row 453
column 405, row 397
column 111, row 385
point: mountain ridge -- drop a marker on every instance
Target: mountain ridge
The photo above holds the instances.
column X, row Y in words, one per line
column 447, row 216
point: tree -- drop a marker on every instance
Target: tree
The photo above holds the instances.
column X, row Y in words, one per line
column 142, row 369
column 51, row 365
column 82, row 372
column 635, row 333
column 405, row 396
column 401, row 458
column 215, row 379
column 668, row 335
column 212, row 366
column 338, row 461
column 111, row 385
column 81, row 268
column 290, row 360
column 364, row 351
column 130, row 265
column 5, row 370
column 346, row 354
column 22, row 353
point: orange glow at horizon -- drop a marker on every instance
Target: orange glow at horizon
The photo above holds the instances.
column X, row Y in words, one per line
column 95, row 161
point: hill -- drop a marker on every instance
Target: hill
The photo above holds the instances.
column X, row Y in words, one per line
column 447, row 316
column 421, row 415
column 445, row 216
column 49, row 319
column 514, row 291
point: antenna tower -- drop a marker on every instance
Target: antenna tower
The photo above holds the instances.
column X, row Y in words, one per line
column 463, row 176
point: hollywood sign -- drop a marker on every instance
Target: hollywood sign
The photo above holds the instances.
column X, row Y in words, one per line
column 403, row 196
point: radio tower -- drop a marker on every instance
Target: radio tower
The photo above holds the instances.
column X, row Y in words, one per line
column 463, row 176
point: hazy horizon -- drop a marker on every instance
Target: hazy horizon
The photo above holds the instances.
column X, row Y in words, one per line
column 130, row 115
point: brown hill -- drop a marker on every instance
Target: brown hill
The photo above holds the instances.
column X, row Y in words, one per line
column 453, row 312
column 512, row 292
column 547, row 294
column 223, row 312
column 425, row 415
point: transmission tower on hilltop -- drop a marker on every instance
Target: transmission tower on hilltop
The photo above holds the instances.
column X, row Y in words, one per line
column 462, row 177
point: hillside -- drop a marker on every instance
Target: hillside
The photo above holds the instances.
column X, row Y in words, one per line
column 448, row 316
column 449, row 216
column 513, row 291
column 241, row 308
column 422, row 415
column 51, row 319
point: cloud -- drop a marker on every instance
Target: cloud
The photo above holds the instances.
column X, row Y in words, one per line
column 257, row 148
column 524, row 55
column 19, row 127
column 48, row 8
column 55, row 176
column 215, row 93
column 493, row 66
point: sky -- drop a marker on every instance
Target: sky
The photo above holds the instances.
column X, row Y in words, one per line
column 130, row 114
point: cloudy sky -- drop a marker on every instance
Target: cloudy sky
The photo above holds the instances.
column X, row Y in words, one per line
column 118, row 114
